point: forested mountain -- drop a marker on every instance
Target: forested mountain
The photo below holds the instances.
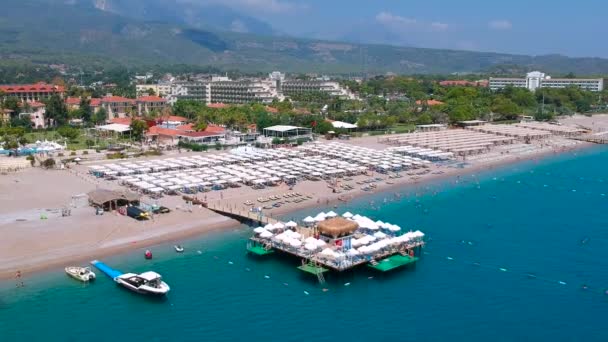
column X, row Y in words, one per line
column 83, row 31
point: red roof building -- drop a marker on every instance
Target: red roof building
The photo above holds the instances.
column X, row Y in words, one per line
column 149, row 104
column 117, row 106
column 32, row 92
column 429, row 102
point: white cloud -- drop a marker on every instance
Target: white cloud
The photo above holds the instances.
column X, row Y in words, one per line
column 437, row 26
column 395, row 21
column 260, row 6
column 399, row 24
column 500, row 24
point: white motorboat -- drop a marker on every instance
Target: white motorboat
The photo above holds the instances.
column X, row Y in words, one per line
column 145, row 283
column 178, row 248
column 83, row 274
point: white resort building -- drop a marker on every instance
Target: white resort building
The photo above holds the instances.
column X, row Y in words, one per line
column 537, row 79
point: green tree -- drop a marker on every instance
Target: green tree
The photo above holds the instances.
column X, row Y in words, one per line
column 68, row 132
column 86, row 112
column 506, row 108
column 188, row 108
column 151, row 92
column 138, row 128
column 12, row 103
column 323, row 127
column 99, row 117
column 56, row 110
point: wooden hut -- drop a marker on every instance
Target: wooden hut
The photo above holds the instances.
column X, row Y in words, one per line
column 337, row 227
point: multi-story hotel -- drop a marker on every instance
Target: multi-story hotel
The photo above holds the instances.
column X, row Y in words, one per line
column 264, row 90
column 242, row 91
column 537, row 79
column 31, row 92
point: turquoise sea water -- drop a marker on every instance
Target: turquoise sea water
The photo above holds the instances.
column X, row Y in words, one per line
column 509, row 252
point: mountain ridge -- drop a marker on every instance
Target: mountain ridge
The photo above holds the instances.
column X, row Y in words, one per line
column 53, row 31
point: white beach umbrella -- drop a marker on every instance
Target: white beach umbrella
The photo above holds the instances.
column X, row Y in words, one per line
column 309, row 219
column 379, row 235
column 394, row 228
column 310, row 239
column 296, row 235
column 295, row 243
column 321, row 243
column 347, row 215
column 266, row 234
column 320, row 217
column 328, row 252
column 331, row 214
column 353, row 252
column 269, row 226
column 259, row 230
column 291, row 224
column 279, row 225
column 311, row 246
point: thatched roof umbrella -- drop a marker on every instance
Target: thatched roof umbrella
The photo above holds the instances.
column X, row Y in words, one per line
column 337, row 226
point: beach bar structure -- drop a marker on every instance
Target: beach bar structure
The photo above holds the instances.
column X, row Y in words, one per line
column 329, row 242
column 112, row 199
column 288, row 132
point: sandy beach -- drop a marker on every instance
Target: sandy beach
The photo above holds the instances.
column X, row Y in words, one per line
column 35, row 235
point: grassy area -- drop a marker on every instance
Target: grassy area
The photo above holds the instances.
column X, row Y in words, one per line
column 80, row 143
column 403, row 128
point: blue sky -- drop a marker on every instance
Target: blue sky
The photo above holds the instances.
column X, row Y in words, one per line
column 573, row 28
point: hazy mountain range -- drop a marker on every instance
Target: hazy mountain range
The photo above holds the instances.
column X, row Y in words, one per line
column 182, row 32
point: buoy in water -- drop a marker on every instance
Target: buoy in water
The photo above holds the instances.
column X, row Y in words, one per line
column 562, row 282
column 148, row 254
column 306, row 293
column 449, row 258
column 230, row 263
column 503, row 269
column 267, row 277
column 346, row 284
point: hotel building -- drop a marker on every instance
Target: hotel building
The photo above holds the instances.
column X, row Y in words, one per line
column 537, row 79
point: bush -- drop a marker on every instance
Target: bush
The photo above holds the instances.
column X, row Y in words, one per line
column 48, row 163
column 59, row 154
column 73, row 153
column 218, row 146
column 117, row 155
column 89, row 143
column 193, row 146
column 31, row 159
column 85, row 152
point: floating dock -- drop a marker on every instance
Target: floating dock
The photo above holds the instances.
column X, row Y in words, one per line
column 392, row 262
column 258, row 249
column 110, row 272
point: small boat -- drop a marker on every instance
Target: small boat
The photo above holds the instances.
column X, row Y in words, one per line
column 145, row 283
column 148, row 254
column 83, row 274
column 178, row 248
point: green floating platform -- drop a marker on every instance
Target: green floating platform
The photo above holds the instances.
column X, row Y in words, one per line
column 313, row 269
column 259, row 250
column 393, row 262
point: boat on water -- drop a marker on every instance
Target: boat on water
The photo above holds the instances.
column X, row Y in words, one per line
column 148, row 254
column 179, row 248
column 150, row 283
column 83, row 274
